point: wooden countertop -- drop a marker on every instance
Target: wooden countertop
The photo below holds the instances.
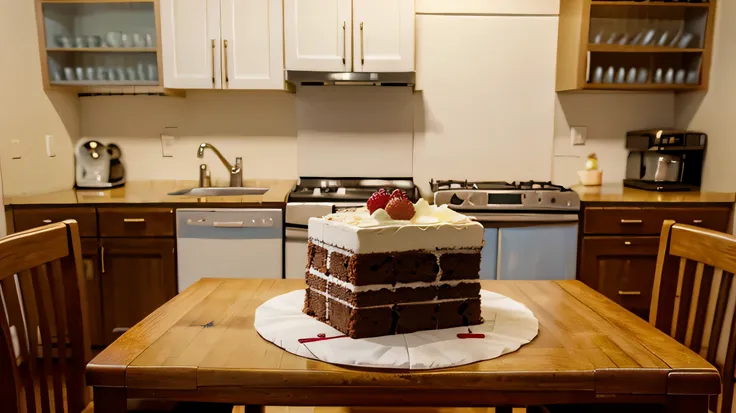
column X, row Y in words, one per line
column 588, row 347
column 156, row 192
column 619, row 193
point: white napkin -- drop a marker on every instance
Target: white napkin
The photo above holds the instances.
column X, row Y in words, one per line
column 507, row 326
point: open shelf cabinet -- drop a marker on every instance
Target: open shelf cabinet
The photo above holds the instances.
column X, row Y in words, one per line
column 634, row 45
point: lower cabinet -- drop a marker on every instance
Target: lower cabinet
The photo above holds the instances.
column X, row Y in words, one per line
column 91, row 268
column 622, row 269
column 138, row 275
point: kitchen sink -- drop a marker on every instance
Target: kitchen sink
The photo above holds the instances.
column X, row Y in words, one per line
column 220, row 191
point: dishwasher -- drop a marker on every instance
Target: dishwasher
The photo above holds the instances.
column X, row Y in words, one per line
column 228, row 243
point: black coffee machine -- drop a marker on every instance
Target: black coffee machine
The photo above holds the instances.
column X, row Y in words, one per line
column 665, row 160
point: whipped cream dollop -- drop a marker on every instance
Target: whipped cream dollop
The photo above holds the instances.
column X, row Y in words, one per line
column 425, row 214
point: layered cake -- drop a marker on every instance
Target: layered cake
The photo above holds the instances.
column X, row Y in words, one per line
column 394, row 267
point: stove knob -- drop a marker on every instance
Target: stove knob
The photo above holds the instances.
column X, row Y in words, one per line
column 455, row 200
column 539, row 199
column 553, row 200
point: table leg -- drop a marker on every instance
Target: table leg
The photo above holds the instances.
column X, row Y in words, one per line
column 687, row 404
column 254, row 408
column 110, row 399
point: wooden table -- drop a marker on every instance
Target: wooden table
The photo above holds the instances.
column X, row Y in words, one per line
column 201, row 346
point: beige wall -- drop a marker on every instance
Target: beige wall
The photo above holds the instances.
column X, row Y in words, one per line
column 27, row 113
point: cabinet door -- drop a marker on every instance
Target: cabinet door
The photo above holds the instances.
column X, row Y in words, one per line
column 190, row 36
column 317, row 35
column 91, row 268
column 138, row 276
column 253, row 57
column 383, row 35
column 622, row 269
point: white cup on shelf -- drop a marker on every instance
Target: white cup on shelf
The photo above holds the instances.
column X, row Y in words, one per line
column 79, row 71
column 149, row 40
column 152, row 72
column 126, row 40
column 139, row 40
column 91, row 74
column 621, row 75
column 669, row 76
column 101, row 73
column 120, row 73
column 642, row 76
column 141, row 70
column 680, row 77
column 610, row 75
column 80, row 42
column 598, row 75
column 631, row 76
column 130, row 74
column 69, row 73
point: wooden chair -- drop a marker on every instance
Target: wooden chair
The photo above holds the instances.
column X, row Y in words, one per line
column 43, row 360
column 693, row 297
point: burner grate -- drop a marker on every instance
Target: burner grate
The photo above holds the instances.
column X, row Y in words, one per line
column 445, row 185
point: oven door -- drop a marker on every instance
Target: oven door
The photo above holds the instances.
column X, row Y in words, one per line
column 529, row 246
column 295, row 248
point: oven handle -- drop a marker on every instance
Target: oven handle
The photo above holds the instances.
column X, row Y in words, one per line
column 506, row 217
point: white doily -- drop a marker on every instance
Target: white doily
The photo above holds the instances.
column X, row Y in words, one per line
column 507, row 326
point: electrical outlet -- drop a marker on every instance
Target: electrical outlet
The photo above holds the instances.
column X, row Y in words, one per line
column 50, row 146
column 578, row 135
column 167, row 146
column 16, row 151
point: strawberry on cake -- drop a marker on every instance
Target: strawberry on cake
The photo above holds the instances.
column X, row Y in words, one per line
column 394, row 267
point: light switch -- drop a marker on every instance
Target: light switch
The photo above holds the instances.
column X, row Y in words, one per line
column 578, row 135
column 167, row 146
column 50, row 146
column 16, row 151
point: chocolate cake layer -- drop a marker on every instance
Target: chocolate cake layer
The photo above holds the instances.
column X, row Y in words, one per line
column 317, row 257
column 385, row 296
column 315, row 282
column 458, row 313
column 462, row 290
column 315, row 305
column 460, row 266
column 415, row 266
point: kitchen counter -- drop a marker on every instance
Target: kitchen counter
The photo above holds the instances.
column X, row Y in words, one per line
column 620, row 194
column 156, row 192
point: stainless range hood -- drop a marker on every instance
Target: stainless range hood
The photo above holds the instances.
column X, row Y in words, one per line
column 304, row 78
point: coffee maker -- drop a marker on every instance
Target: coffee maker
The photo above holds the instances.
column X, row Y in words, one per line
column 665, row 160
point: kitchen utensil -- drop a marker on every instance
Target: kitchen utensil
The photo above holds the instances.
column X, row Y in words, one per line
column 658, row 76
column 152, row 72
column 94, row 41
column 80, row 41
column 609, row 76
column 112, row 39
column 663, row 39
column 669, row 76
column 692, row 78
column 680, row 76
column 642, row 76
column 612, row 38
column 598, row 75
column 648, row 37
column 685, row 40
column 141, row 70
column 149, row 40
column 91, row 75
column 130, row 74
column 138, row 40
column 63, row 41
column 101, row 73
column 631, row 77
column 69, row 73
column 621, row 75
column 80, row 73
column 120, row 73
column 126, row 40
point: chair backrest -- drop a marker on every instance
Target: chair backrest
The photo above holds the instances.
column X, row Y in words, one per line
column 694, row 297
column 49, row 339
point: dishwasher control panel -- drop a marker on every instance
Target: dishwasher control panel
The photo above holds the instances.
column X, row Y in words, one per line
column 203, row 222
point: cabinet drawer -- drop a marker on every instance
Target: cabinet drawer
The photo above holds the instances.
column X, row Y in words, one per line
column 621, row 268
column 648, row 221
column 136, row 222
column 29, row 218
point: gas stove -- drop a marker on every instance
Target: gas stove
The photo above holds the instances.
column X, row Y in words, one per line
column 355, row 190
column 497, row 196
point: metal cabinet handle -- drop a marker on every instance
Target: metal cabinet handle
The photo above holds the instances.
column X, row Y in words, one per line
column 118, row 330
column 629, row 292
column 47, row 221
column 697, row 221
column 102, row 259
column 213, row 62
column 344, row 41
column 134, row 220
column 627, row 242
column 362, row 54
column 631, row 221
column 224, row 54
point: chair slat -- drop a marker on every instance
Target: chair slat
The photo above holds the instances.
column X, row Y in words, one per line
column 57, row 297
column 8, row 382
column 703, row 302
column 694, row 304
column 678, row 295
column 31, row 312
column 710, row 314
column 728, row 369
column 15, row 315
column 41, row 289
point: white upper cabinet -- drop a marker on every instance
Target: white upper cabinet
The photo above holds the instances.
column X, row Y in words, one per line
column 383, row 35
column 318, row 35
column 190, row 35
column 222, row 44
column 252, row 32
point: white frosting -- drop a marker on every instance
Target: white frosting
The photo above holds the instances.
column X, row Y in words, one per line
column 432, row 228
column 435, row 301
column 391, row 287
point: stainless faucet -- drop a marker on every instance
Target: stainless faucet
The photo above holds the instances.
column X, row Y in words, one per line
column 236, row 171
